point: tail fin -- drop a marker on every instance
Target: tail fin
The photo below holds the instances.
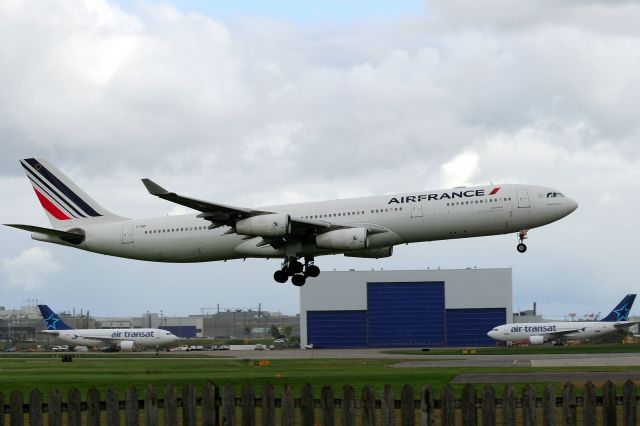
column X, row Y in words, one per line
column 621, row 311
column 64, row 202
column 51, row 320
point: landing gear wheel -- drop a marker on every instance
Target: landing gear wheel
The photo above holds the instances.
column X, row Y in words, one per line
column 522, row 247
column 295, row 266
column 312, row 271
column 298, row 280
column 280, row 276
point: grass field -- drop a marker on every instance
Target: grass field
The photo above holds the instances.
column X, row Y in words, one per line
column 47, row 372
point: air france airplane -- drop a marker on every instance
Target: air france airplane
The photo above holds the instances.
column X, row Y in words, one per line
column 122, row 339
column 539, row 333
column 366, row 227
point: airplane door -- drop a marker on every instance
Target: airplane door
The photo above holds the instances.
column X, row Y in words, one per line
column 523, row 198
column 416, row 209
column 127, row 233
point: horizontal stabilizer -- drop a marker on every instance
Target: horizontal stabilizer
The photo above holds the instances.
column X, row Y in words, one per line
column 70, row 237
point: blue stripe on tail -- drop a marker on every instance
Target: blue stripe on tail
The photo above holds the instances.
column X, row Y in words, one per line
column 621, row 311
column 51, row 320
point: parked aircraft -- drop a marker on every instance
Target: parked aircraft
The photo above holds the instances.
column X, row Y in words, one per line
column 366, row 227
column 542, row 332
column 123, row 339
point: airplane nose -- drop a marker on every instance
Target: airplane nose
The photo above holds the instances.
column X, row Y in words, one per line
column 572, row 205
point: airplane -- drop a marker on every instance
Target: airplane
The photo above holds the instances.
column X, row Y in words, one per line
column 539, row 333
column 367, row 227
column 122, row 339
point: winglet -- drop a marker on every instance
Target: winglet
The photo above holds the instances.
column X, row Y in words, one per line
column 154, row 188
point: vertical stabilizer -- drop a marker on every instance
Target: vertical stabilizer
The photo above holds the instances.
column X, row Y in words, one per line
column 51, row 320
column 64, row 202
column 621, row 311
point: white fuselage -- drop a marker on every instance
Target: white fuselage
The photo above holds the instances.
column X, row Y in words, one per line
column 516, row 332
column 403, row 218
column 111, row 336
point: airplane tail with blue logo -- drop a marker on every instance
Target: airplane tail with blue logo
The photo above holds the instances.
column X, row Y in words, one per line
column 51, row 320
column 64, row 202
column 621, row 311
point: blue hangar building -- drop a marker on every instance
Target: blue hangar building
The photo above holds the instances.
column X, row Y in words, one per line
column 423, row 308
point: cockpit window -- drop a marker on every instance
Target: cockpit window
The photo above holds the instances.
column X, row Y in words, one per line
column 554, row 195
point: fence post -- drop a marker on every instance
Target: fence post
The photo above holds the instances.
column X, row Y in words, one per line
column 387, row 406
column 368, row 406
column 288, row 406
column 248, row 406
column 150, row 406
column 589, row 404
column 569, row 410
column 131, row 406
column 188, row 405
column 468, row 405
column 509, row 406
column 448, row 406
column 609, row 404
column 170, row 406
column 16, row 417
column 629, row 402
column 209, row 407
column 528, row 406
column 228, row 405
column 268, row 412
column 1, row 409
column 35, row 408
column 407, row 406
column 327, row 406
column 348, row 409
column 549, row 405
column 427, row 407
column 93, row 407
column 112, row 405
column 73, row 408
column 488, row 406
column 307, row 406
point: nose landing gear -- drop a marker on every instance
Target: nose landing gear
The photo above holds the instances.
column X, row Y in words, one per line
column 298, row 272
column 522, row 235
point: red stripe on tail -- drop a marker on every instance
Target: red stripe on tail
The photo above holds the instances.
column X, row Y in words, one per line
column 50, row 207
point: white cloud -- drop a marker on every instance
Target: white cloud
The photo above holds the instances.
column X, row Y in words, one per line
column 460, row 170
column 31, row 269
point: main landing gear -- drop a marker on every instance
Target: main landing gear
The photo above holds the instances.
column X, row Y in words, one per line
column 522, row 235
column 292, row 267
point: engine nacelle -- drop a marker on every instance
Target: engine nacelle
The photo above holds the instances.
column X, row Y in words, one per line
column 265, row 225
column 343, row 239
column 536, row 340
column 376, row 253
column 126, row 346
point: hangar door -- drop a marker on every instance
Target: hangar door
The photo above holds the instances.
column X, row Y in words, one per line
column 337, row 329
column 405, row 314
column 469, row 327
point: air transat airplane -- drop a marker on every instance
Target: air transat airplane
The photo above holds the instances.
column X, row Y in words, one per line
column 366, row 227
column 542, row 332
column 122, row 339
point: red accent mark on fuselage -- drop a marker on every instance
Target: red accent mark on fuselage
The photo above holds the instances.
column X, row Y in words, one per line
column 50, row 207
column 494, row 190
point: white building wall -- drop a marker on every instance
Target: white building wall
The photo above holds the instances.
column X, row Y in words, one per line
column 464, row 288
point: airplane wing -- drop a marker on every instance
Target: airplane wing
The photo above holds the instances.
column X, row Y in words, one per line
column 70, row 237
column 558, row 334
column 223, row 214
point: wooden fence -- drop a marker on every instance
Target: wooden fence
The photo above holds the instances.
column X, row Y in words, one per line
column 222, row 406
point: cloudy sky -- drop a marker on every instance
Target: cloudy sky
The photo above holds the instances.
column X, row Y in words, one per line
column 251, row 103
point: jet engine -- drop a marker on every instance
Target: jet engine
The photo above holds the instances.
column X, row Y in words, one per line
column 371, row 253
column 126, row 346
column 536, row 340
column 343, row 239
column 265, row 225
